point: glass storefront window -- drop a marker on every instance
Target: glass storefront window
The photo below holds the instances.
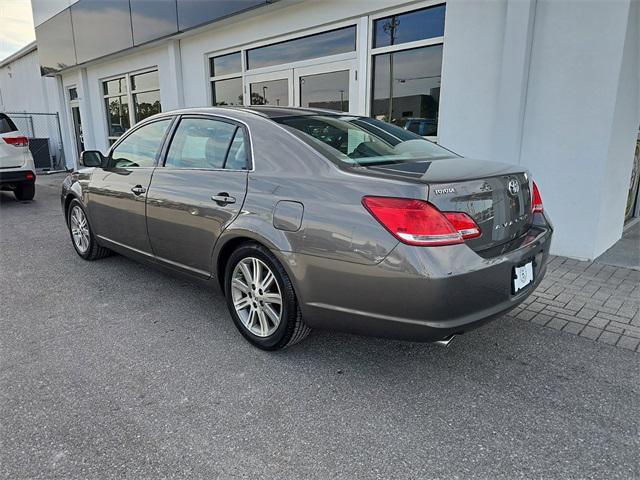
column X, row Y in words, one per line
column 323, row 44
column 145, row 81
column 226, row 64
column 115, row 86
column 273, row 92
column 117, row 115
column 409, row 27
column 227, row 92
column 325, row 90
column 406, row 88
column 141, row 90
column 146, row 104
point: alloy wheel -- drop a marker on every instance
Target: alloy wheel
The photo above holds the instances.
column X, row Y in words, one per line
column 79, row 229
column 256, row 296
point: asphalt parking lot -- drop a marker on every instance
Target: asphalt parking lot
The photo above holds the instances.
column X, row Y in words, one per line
column 111, row 369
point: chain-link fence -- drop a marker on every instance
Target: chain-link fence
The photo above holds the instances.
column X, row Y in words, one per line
column 45, row 138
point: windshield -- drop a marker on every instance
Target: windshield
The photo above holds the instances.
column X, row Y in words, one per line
column 362, row 140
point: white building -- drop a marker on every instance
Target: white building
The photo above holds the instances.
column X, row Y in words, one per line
column 553, row 85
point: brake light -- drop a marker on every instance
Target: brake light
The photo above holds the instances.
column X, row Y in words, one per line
column 20, row 141
column 464, row 224
column 29, row 176
column 536, row 200
column 416, row 222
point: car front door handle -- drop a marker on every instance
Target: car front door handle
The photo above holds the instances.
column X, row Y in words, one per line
column 223, row 198
column 138, row 190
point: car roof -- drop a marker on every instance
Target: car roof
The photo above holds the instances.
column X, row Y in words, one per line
column 270, row 112
column 278, row 112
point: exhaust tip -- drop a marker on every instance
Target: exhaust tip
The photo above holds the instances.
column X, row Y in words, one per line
column 445, row 342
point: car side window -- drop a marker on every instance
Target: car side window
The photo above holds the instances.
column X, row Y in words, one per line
column 141, row 147
column 207, row 143
column 237, row 157
column 6, row 124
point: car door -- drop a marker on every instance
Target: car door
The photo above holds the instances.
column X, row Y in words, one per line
column 198, row 191
column 117, row 192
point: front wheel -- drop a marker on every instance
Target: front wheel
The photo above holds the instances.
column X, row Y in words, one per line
column 261, row 299
column 82, row 237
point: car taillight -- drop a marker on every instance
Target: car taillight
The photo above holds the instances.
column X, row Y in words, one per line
column 417, row 222
column 464, row 224
column 536, row 200
column 20, row 141
column 29, row 176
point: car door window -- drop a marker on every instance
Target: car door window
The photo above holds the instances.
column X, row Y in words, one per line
column 208, row 144
column 141, row 147
column 237, row 156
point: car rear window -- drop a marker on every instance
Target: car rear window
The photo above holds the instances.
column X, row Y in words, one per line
column 361, row 141
column 6, row 124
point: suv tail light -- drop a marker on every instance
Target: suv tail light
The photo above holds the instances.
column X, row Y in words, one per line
column 416, row 222
column 536, row 201
column 20, row 141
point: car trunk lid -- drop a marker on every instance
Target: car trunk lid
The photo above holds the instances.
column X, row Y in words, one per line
column 497, row 196
column 500, row 205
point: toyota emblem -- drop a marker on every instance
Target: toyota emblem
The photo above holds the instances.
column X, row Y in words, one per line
column 514, row 186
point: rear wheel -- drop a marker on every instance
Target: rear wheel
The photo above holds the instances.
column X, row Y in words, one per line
column 261, row 299
column 82, row 237
column 25, row 191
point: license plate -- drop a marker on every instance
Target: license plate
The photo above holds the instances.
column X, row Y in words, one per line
column 522, row 276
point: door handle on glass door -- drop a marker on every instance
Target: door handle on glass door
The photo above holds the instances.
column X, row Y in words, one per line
column 223, row 198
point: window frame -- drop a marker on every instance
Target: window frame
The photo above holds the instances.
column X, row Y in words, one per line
column 228, row 76
column 303, row 35
column 243, row 48
column 130, row 93
column 372, row 52
column 138, row 126
column 170, row 135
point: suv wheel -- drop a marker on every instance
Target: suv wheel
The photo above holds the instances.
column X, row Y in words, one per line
column 82, row 237
column 261, row 299
column 25, row 191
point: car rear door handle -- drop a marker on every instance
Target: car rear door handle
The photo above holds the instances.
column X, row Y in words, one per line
column 223, row 198
column 138, row 190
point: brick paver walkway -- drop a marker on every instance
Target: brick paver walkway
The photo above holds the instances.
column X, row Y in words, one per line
column 589, row 299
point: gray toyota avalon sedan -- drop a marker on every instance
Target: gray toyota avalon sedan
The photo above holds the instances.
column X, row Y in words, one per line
column 309, row 218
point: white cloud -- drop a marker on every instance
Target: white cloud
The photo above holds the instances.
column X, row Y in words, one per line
column 16, row 26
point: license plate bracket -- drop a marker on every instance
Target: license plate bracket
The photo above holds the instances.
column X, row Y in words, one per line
column 522, row 277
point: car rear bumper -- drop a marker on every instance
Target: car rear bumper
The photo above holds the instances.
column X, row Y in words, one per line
column 15, row 177
column 415, row 293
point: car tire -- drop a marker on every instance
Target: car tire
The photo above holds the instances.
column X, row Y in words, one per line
column 290, row 328
column 25, row 191
column 88, row 247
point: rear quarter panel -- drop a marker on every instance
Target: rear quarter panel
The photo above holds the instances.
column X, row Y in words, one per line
column 335, row 224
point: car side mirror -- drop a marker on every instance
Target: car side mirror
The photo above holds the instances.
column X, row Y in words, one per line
column 91, row 158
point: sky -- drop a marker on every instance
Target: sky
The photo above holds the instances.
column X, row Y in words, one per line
column 16, row 26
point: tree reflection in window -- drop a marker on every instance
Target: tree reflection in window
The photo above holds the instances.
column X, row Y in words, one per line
column 146, row 104
column 118, row 113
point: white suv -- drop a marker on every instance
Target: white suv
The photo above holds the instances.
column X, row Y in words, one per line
column 17, row 170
